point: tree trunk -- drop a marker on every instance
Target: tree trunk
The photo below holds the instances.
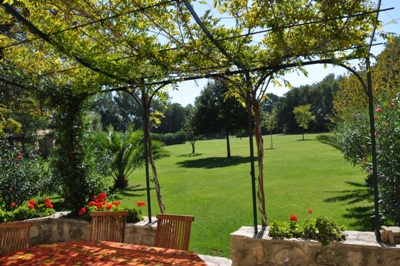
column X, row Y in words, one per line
column 271, row 145
column 146, row 115
column 193, row 147
column 228, row 145
column 260, row 158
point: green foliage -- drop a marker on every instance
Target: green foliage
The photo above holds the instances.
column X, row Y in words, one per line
column 303, row 116
column 23, row 213
column 170, row 138
column 29, row 211
column 354, row 138
column 327, row 230
column 134, row 216
column 190, row 128
column 127, row 153
column 6, row 216
column 322, row 229
column 23, row 175
column 73, row 163
column 319, row 95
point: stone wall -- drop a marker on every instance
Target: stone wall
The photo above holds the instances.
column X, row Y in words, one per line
column 359, row 249
column 58, row 228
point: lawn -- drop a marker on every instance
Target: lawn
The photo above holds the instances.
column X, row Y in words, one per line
column 299, row 175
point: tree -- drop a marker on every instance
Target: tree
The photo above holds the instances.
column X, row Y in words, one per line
column 217, row 113
column 270, row 123
column 303, row 116
column 189, row 128
column 385, row 76
column 174, row 115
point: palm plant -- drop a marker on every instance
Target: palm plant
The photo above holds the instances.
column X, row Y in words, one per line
column 127, row 153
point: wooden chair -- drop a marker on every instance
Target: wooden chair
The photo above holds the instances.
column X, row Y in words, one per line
column 108, row 225
column 173, row 231
column 14, row 236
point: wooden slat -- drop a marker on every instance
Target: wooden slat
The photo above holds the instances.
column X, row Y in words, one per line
column 14, row 236
column 173, row 231
column 108, row 225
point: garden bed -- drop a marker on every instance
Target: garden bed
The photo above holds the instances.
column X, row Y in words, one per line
column 359, row 248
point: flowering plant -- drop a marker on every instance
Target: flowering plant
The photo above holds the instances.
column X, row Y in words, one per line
column 322, row 229
column 100, row 203
column 32, row 209
column 23, row 175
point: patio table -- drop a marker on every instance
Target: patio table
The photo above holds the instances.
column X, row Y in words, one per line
column 92, row 252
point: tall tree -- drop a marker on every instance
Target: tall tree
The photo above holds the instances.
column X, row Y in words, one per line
column 217, row 113
column 174, row 115
column 303, row 116
column 189, row 128
column 270, row 123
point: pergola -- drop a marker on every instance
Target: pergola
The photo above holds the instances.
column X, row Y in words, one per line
column 151, row 44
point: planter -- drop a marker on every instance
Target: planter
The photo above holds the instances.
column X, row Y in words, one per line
column 58, row 228
column 359, row 249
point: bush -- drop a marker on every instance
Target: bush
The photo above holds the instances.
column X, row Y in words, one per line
column 23, row 175
column 100, row 203
column 31, row 210
column 322, row 229
column 355, row 142
column 170, row 138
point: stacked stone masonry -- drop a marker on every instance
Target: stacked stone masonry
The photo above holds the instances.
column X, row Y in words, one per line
column 58, row 228
column 359, row 249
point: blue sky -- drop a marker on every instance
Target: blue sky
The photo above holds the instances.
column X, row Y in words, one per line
column 189, row 90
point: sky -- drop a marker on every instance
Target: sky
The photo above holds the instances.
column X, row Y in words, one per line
column 189, row 90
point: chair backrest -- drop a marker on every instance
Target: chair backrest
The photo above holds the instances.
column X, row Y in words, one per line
column 108, row 225
column 173, row 231
column 14, row 236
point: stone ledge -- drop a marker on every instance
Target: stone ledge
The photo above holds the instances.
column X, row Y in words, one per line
column 58, row 228
column 360, row 248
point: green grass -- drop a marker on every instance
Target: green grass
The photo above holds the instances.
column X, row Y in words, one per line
column 299, row 175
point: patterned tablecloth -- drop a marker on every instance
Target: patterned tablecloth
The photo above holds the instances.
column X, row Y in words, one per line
column 85, row 252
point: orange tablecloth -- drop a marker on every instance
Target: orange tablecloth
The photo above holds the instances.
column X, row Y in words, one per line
column 85, row 252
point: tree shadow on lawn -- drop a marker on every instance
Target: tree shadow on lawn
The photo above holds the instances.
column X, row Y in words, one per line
column 214, row 162
column 363, row 216
column 133, row 191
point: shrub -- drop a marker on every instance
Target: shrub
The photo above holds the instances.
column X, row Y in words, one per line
column 322, row 229
column 354, row 139
column 100, row 203
column 31, row 210
column 23, row 175
column 170, row 138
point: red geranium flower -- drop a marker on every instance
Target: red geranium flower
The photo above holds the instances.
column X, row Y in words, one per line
column 82, row 211
column 140, row 204
column 31, row 206
column 48, row 203
column 293, row 218
column 309, row 211
column 13, row 204
column 102, row 196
